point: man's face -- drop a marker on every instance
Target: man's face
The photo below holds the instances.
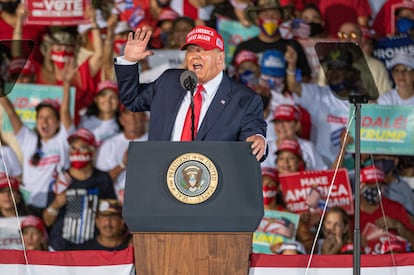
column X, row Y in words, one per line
column 205, row 64
column 110, row 225
column 333, row 226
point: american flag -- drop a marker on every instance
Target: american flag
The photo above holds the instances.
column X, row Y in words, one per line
column 79, row 220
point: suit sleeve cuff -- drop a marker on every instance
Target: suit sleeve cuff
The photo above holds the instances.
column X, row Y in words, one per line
column 120, row 60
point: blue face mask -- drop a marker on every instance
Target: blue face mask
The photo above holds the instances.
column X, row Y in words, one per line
column 404, row 25
column 386, row 165
column 248, row 78
column 371, row 195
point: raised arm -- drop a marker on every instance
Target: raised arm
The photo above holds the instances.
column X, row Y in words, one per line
column 95, row 61
column 68, row 73
column 14, row 118
column 136, row 46
column 291, row 57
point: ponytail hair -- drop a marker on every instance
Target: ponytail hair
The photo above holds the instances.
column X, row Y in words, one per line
column 38, row 154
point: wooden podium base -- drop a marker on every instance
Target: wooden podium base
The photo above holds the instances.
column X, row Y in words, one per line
column 192, row 253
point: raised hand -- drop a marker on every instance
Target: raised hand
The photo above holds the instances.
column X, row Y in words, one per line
column 136, row 46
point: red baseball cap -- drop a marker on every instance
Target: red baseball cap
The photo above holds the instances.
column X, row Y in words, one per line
column 34, row 222
column 49, row 102
column 205, row 37
column 286, row 112
column 270, row 172
column 291, row 146
column 245, row 56
column 4, row 182
column 107, row 84
column 85, row 135
column 371, row 175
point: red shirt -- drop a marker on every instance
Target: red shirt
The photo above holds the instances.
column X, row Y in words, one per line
column 392, row 209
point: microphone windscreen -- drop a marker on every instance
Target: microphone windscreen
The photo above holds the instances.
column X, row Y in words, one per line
column 188, row 80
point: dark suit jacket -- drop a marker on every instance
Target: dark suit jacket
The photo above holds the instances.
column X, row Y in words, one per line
column 235, row 113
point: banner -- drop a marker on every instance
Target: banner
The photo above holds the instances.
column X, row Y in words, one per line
column 56, row 12
column 386, row 48
column 401, row 264
column 122, row 263
column 67, row 262
column 233, row 33
column 385, row 129
column 308, row 190
column 25, row 97
column 275, row 228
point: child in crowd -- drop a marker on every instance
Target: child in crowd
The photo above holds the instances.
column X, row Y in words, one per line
column 102, row 115
column 34, row 233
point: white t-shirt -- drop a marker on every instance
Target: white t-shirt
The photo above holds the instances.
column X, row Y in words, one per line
column 10, row 161
column 312, row 158
column 329, row 116
column 102, row 129
column 393, row 98
column 55, row 157
column 110, row 155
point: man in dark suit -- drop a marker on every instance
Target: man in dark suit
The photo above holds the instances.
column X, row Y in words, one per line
column 229, row 111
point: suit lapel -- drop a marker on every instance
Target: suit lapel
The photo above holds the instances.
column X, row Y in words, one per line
column 220, row 101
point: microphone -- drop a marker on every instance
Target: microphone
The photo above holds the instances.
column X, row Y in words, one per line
column 188, row 80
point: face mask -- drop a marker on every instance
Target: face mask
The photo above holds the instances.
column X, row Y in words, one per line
column 315, row 29
column 269, row 27
column 9, row 7
column 337, row 87
column 60, row 58
column 274, row 82
column 80, row 160
column 248, row 78
column 404, row 25
column 269, row 194
column 370, row 195
column 386, row 165
column 119, row 45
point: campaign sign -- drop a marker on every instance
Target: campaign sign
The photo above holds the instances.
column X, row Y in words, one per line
column 308, row 190
column 56, row 12
column 379, row 241
column 233, row 33
column 385, row 129
column 275, row 228
column 25, row 98
column 9, row 233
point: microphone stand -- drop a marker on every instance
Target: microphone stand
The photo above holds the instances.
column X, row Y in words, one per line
column 357, row 100
column 192, row 113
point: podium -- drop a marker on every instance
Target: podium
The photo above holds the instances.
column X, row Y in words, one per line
column 192, row 207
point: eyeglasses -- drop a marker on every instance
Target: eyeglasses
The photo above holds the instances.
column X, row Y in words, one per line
column 346, row 35
column 402, row 71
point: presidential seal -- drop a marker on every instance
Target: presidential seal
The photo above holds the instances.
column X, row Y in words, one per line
column 192, row 178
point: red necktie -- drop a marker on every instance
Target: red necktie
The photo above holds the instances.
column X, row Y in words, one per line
column 198, row 100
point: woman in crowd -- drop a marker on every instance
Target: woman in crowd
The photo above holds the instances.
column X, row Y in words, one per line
column 45, row 148
column 7, row 207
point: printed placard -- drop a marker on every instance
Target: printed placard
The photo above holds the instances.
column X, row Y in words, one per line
column 275, row 228
column 308, row 190
column 25, row 98
column 385, row 129
column 56, row 12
